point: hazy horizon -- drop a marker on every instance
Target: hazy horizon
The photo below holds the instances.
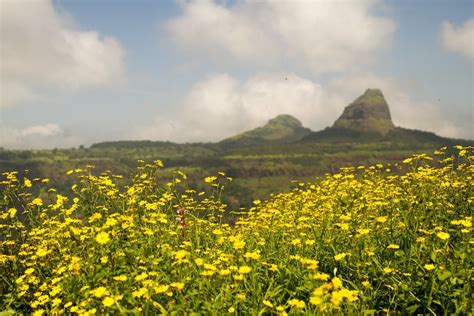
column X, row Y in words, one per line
column 79, row 72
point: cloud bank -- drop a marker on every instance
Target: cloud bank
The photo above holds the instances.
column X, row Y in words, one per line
column 459, row 39
column 222, row 106
column 319, row 36
column 43, row 136
column 43, row 49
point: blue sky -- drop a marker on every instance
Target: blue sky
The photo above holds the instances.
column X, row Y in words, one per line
column 88, row 71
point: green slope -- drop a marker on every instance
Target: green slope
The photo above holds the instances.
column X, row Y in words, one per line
column 281, row 129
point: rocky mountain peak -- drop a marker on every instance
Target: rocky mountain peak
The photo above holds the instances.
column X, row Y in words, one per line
column 368, row 113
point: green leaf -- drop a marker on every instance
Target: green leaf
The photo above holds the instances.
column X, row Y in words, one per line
column 443, row 275
column 411, row 309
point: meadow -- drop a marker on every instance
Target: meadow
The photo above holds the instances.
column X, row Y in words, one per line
column 392, row 238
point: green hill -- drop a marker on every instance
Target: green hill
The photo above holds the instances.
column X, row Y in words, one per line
column 281, row 129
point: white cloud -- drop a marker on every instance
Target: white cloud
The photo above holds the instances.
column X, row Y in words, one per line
column 321, row 36
column 41, row 48
column 459, row 39
column 222, row 106
column 45, row 136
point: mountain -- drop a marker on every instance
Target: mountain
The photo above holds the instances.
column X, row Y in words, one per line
column 368, row 120
column 369, row 113
column 279, row 130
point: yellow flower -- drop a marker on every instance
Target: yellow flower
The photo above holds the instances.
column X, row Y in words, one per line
column 267, row 303
column 95, row 217
column 321, row 276
column 341, row 256
column 161, row 288
column 240, row 296
column 55, row 290
column 363, row 231
column 177, row 285
column 280, row 308
column 102, row 238
column 231, row 310
column 37, row 202
column 296, row 242
column 199, row 261
column 315, row 300
column 140, row 292
column 108, row 301
column 210, row 267
column 141, row 276
column 296, row 303
column 180, row 254
column 336, row 282
column 252, row 255
column 343, row 226
column 244, row 269
column 393, row 246
column 38, row 312
column 29, row 271
column 57, row 301
column 336, row 298
column 41, row 252
column 12, row 212
column 273, row 268
column 207, row 273
column 120, row 278
column 387, row 270
column 224, row 272
column 443, row 235
column 429, row 267
column 99, row 292
column 210, row 179
column 27, row 183
column 239, row 244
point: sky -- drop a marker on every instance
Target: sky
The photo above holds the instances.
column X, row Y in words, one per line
column 80, row 72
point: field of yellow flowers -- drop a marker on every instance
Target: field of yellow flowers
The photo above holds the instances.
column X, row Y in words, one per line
column 368, row 240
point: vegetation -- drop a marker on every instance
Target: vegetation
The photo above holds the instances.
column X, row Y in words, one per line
column 367, row 240
column 281, row 129
column 257, row 170
column 369, row 113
